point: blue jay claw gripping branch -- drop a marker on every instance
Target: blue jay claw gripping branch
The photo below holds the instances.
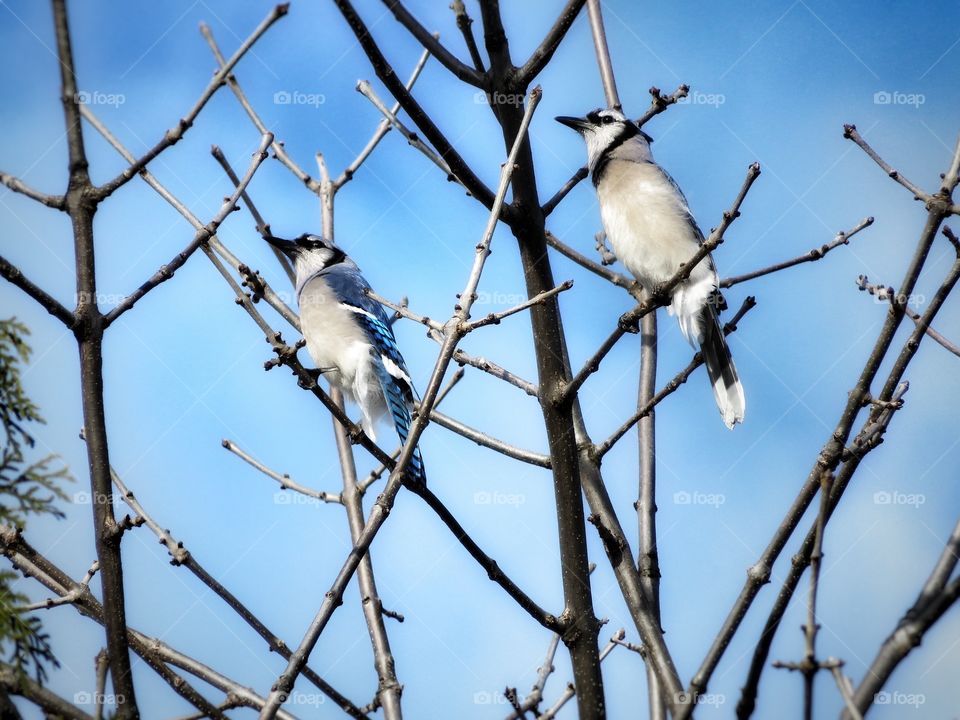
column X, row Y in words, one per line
column 653, row 233
column 348, row 335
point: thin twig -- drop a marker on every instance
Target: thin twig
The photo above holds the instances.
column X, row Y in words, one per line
column 286, row 483
column 888, row 294
column 58, row 202
column 596, row 268
column 202, row 236
column 679, row 379
column 388, row 77
column 545, row 50
column 494, row 318
column 432, row 43
column 13, row 274
column 850, row 132
column 365, row 89
column 174, row 134
column 263, row 227
column 181, row 556
column 842, row 238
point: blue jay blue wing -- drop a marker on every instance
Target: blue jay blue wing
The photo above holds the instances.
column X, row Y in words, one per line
column 350, row 287
column 690, row 219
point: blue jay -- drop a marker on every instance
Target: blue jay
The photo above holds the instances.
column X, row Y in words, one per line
column 652, row 231
column 349, row 337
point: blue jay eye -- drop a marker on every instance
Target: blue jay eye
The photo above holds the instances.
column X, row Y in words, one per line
column 606, row 119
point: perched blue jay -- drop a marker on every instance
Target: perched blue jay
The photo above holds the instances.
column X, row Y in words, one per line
column 349, row 337
column 652, row 231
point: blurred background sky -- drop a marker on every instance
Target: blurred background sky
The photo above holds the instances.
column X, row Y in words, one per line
column 771, row 82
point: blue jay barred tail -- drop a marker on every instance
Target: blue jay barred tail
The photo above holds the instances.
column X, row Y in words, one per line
column 399, row 405
column 727, row 389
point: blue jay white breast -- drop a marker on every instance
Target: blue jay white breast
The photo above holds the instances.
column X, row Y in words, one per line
column 652, row 232
column 348, row 336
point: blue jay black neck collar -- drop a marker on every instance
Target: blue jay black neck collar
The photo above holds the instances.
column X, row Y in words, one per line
column 629, row 131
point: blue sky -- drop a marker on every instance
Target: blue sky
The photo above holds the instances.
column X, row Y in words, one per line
column 771, row 82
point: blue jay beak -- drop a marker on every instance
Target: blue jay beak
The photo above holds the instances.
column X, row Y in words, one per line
column 578, row 124
column 287, row 247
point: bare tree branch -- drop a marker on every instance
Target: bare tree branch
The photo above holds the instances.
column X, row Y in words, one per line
column 58, row 202
column 431, row 43
column 596, row 268
column 545, row 50
column 842, row 238
column 383, row 127
column 487, row 441
column 13, row 274
column 491, row 368
column 31, row 563
column 262, row 226
column 850, row 132
column 679, row 379
column 88, row 330
column 174, row 134
column 388, row 686
column 886, row 293
column 389, row 78
column 202, row 236
column 494, row 318
column 286, row 482
column 465, row 25
column 18, row 683
column 366, row 89
column 181, row 556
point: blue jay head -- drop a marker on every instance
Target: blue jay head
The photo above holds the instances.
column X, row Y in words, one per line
column 309, row 253
column 605, row 130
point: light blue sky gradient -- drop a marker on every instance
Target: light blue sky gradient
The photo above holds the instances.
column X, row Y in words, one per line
column 771, row 82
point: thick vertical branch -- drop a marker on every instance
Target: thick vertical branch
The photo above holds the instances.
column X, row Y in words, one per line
column 581, row 639
column 647, row 561
column 388, row 687
column 88, row 330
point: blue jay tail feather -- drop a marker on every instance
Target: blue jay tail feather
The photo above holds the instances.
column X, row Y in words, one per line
column 727, row 389
column 398, row 402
